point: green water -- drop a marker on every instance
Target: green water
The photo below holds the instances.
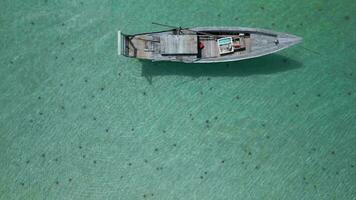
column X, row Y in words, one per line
column 79, row 122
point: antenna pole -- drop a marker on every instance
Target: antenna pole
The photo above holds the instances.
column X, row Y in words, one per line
column 180, row 29
column 159, row 24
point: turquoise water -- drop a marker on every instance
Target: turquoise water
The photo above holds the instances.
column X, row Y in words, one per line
column 79, row 122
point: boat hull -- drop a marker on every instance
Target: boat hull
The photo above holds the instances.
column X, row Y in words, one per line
column 260, row 42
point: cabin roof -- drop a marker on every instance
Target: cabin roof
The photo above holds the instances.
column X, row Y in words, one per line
column 179, row 44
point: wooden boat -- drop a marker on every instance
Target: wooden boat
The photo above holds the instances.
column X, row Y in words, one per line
column 204, row 44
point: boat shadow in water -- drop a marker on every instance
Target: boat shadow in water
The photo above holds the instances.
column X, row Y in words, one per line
column 264, row 65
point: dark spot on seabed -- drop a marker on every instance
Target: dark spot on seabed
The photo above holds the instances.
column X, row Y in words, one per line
column 80, row 147
column 62, row 107
column 119, row 73
column 32, row 23
column 297, row 105
column 62, row 43
column 156, row 149
column 174, row 145
column 263, row 125
column 223, row 161
column 41, row 113
column 236, row 18
column 43, row 155
column 349, row 93
column 39, row 98
column 164, row 131
column 249, row 153
column 132, row 129
column 84, row 156
column 257, row 167
column 146, row 195
column 56, row 159
column 337, row 173
column 205, row 173
column 61, row 84
column 319, row 95
column 237, row 97
column 84, row 107
column 22, row 183
column 216, row 118
column 86, row 80
column 57, row 182
column 63, row 24
column 208, row 79
column 146, row 161
column 102, row 89
column 273, row 24
column 207, row 121
column 94, row 118
column 94, row 161
column 262, row 8
column 333, row 152
column 11, row 62
column 323, row 168
column 285, row 60
column 28, row 161
column 56, row 57
column 219, row 15
column 201, row 177
column 144, row 93
column 347, row 17
column 293, row 93
column 107, row 130
column 267, row 137
column 129, row 164
column 201, row 93
column 70, row 179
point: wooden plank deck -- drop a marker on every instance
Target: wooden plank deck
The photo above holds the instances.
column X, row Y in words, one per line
column 211, row 49
column 142, row 46
column 179, row 44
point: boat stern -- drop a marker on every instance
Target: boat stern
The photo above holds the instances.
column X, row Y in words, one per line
column 121, row 44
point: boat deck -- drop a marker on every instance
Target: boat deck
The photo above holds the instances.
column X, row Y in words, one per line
column 210, row 49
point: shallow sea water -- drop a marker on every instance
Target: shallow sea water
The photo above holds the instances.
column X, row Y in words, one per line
column 79, row 122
